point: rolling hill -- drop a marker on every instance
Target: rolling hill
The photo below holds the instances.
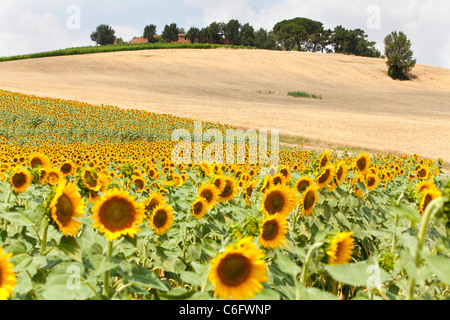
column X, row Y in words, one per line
column 361, row 106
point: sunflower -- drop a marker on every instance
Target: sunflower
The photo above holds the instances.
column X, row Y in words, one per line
column 326, row 176
column 20, row 180
column 229, row 191
column 39, row 159
column 428, row 196
column 324, row 159
column 422, row 172
column 341, row 173
column 309, row 199
column 199, row 207
column 267, row 183
column 67, row 168
column 238, row 272
column 54, row 176
column 7, row 275
column 284, row 170
column 248, row 191
column 273, row 231
column 341, row 248
column 162, row 218
column 154, row 200
column 65, row 206
column 210, row 193
column 303, row 183
column 278, row 179
column 116, row 214
column 278, row 199
column 424, row 185
column 89, row 180
column 219, row 182
column 138, row 183
column 363, row 163
column 372, row 181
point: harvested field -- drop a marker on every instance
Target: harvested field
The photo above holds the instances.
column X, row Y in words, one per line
column 361, row 105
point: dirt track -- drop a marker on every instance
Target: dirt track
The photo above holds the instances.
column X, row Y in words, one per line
column 361, row 106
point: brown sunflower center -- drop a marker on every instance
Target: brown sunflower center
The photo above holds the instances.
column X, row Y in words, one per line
column 324, row 176
column 207, row 195
column 339, row 173
column 370, row 181
column 277, row 180
column 309, row 200
column 117, row 214
column 234, row 269
column 228, row 190
column 64, row 209
column 270, row 230
column 324, row 161
column 19, row 179
column 160, row 218
column 361, row 164
column 152, row 205
column 218, row 183
column 35, row 162
column 274, row 202
column 53, row 177
column 66, row 168
column 427, row 200
column 198, row 207
column 139, row 183
column 249, row 191
column 302, row 186
column 90, row 179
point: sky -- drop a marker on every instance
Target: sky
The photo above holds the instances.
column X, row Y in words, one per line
column 29, row 26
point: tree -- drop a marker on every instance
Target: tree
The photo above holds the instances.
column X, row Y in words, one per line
column 353, row 42
column 103, row 35
column 247, row 35
column 397, row 49
column 170, row 33
column 150, row 32
column 231, row 31
column 193, row 34
column 265, row 39
column 296, row 32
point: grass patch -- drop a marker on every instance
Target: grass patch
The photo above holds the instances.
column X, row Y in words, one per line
column 293, row 140
column 303, row 94
column 119, row 47
column 265, row 91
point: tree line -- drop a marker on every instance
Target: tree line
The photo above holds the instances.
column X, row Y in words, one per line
column 300, row 34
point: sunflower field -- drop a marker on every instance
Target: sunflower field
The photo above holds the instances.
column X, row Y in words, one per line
column 93, row 207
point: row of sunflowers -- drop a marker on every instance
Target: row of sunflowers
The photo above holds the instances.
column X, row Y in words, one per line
column 110, row 218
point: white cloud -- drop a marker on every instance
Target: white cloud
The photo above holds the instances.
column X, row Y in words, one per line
column 126, row 33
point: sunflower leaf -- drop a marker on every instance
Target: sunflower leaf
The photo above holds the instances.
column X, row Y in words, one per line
column 286, row 264
column 70, row 247
column 358, row 274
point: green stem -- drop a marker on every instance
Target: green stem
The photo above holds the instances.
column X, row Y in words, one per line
column 307, row 260
column 185, row 236
column 394, row 238
column 106, row 288
column 397, row 218
column 44, row 238
column 431, row 208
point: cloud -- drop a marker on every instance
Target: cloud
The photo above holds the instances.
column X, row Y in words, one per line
column 126, row 33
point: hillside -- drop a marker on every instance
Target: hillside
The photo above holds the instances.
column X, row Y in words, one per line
column 361, row 105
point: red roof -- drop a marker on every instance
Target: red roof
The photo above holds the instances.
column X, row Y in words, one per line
column 139, row 40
